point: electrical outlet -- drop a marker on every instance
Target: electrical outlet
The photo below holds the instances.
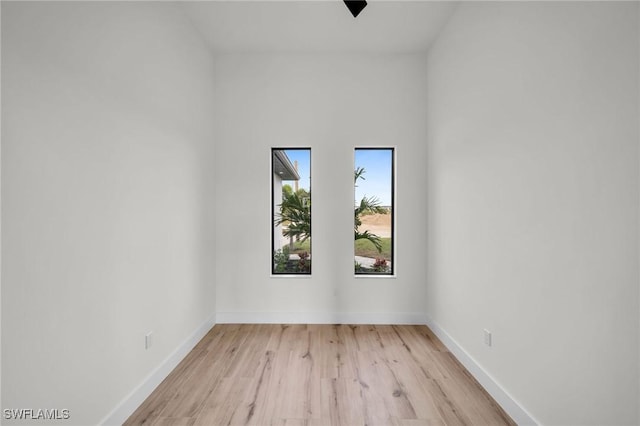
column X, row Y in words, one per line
column 148, row 340
column 487, row 337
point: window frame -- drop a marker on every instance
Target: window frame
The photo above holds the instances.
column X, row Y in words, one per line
column 273, row 204
column 394, row 158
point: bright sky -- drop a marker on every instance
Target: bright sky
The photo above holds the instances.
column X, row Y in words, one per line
column 377, row 177
column 303, row 156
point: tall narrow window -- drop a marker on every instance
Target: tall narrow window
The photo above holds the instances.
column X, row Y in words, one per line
column 374, row 176
column 291, row 211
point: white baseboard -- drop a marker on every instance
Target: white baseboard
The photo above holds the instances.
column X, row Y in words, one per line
column 319, row 318
column 508, row 404
column 129, row 404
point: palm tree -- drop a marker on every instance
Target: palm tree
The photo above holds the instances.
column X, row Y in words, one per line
column 367, row 205
column 295, row 210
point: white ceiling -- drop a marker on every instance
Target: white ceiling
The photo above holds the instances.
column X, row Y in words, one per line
column 318, row 26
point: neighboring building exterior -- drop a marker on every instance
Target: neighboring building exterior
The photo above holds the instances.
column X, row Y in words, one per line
column 283, row 170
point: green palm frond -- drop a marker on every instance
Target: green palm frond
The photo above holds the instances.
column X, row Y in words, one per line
column 368, row 205
column 295, row 212
column 366, row 235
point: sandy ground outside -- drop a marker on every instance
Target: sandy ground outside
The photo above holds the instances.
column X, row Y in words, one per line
column 379, row 224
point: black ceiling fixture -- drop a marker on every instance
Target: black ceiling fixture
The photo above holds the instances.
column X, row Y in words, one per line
column 355, row 6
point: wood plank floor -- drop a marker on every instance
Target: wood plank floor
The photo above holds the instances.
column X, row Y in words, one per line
column 319, row 375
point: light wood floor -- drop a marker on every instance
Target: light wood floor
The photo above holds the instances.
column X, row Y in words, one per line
column 319, row 375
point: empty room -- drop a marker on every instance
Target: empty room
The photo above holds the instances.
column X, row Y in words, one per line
column 320, row 213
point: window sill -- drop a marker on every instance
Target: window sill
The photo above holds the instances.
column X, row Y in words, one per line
column 375, row 276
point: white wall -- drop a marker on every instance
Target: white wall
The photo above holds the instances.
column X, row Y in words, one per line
column 331, row 103
column 0, row 225
column 106, row 199
column 533, row 201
